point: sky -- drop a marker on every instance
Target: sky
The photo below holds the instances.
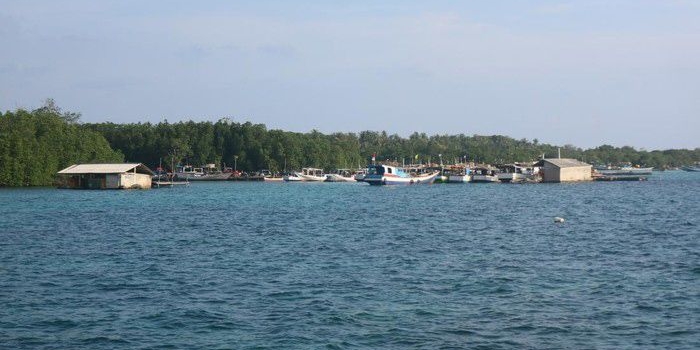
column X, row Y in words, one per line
column 584, row 73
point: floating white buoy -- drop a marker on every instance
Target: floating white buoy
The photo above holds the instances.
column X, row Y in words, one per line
column 558, row 219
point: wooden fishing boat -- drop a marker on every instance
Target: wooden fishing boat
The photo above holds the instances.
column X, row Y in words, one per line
column 381, row 174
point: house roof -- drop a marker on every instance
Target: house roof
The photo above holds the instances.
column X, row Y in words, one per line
column 118, row 168
column 565, row 162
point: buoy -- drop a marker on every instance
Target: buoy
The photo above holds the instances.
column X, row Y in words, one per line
column 558, row 219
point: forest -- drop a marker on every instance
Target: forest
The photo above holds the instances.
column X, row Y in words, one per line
column 34, row 145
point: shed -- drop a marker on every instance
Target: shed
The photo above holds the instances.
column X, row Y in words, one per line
column 565, row 170
column 106, row 176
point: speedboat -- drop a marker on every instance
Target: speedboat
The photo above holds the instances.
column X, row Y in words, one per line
column 381, row 174
column 291, row 177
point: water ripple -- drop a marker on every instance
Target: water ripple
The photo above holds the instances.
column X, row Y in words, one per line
column 341, row 266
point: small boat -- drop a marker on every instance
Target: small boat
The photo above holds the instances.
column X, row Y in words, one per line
column 340, row 175
column 292, row 177
column 693, row 168
column 484, row 174
column 190, row 173
column 463, row 176
column 381, row 174
column 512, row 173
column 625, row 170
column 360, row 175
column 311, row 174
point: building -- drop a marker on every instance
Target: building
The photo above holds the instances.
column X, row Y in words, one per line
column 105, row 176
column 564, row 170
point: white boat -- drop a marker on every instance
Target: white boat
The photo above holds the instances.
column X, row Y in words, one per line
column 312, row 174
column 484, row 175
column 340, row 175
column 360, row 175
column 462, row 177
column 381, row 174
column 190, row 173
column 512, row 173
column 626, row 170
column 292, row 177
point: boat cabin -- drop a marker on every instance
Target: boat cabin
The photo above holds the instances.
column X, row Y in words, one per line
column 381, row 170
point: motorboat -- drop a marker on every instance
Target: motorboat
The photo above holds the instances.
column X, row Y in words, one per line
column 340, row 175
column 311, row 174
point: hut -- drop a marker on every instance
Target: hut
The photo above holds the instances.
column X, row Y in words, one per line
column 564, row 170
column 105, row 176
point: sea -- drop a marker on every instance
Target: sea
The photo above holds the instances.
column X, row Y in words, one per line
column 258, row 265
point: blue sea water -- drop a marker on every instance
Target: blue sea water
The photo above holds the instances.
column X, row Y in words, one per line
column 350, row 266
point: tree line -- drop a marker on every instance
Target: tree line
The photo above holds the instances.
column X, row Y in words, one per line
column 251, row 147
column 34, row 145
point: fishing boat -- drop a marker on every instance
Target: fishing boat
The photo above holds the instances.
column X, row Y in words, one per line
column 381, row 174
column 484, row 174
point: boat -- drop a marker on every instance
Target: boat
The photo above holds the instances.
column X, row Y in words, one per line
column 463, row 176
column 360, row 174
column 624, row 170
column 691, row 168
column 311, row 174
column 512, row 173
column 291, row 177
column 340, row 175
column 484, row 174
column 190, row 173
column 382, row 174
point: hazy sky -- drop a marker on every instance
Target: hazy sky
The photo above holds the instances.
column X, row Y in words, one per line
column 566, row 72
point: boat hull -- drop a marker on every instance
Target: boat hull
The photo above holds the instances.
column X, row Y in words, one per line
column 339, row 178
column 398, row 180
column 311, row 177
column 626, row 171
column 205, row 177
column 511, row 177
column 484, row 178
column 459, row 179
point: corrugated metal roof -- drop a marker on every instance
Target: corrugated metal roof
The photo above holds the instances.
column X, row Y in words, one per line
column 566, row 162
column 105, row 169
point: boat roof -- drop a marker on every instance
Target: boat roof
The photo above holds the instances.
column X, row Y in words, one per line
column 77, row 169
column 563, row 162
